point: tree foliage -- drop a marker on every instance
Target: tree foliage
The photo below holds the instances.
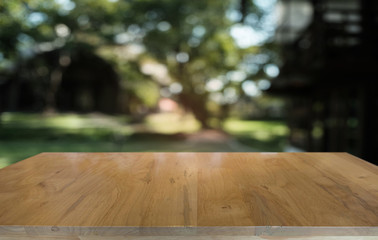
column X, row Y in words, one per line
column 190, row 40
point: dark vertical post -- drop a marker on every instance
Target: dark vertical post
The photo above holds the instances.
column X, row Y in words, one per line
column 370, row 100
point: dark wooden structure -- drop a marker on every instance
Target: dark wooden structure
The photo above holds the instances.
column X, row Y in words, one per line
column 330, row 77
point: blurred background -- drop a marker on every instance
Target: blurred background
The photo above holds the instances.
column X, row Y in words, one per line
column 230, row 75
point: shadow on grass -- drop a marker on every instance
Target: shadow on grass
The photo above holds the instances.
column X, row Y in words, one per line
column 275, row 144
column 56, row 133
column 15, row 150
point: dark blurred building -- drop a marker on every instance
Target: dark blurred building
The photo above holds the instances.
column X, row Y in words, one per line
column 330, row 74
column 61, row 81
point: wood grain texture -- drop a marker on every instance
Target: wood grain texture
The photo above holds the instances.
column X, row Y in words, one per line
column 133, row 193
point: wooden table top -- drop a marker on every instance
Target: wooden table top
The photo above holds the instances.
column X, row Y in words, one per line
column 189, row 190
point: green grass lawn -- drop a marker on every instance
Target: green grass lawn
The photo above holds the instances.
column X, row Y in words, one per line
column 24, row 135
column 269, row 136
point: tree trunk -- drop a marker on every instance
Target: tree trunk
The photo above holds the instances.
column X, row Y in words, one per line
column 192, row 101
column 197, row 105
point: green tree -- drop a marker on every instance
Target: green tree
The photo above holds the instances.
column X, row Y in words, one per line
column 191, row 39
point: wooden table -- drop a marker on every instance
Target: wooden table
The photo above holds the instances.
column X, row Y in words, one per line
column 189, row 196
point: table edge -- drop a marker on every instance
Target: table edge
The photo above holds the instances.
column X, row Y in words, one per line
column 13, row 230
